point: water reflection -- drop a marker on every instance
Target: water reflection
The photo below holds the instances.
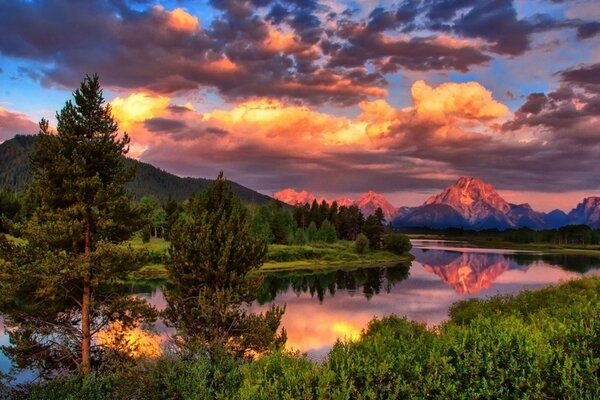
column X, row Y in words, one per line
column 368, row 281
column 471, row 270
column 325, row 305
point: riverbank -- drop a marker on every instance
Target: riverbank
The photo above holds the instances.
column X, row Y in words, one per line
column 340, row 254
column 550, row 248
column 537, row 344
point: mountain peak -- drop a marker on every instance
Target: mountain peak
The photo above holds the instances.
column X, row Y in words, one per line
column 370, row 201
column 293, row 197
column 473, row 199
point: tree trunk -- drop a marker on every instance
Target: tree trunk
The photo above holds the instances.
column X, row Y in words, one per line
column 86, row 338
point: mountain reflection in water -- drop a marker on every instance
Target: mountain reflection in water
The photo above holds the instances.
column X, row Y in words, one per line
column 323, row 306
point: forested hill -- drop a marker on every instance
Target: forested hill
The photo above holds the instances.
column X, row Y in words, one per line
column 149, row 180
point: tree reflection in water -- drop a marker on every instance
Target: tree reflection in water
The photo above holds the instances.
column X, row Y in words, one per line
column 366, row 280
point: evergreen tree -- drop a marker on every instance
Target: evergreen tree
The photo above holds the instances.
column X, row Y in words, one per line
column 312, row 233
column 374, row 228
column 172, row 209
column 261, row 223
column 212, row 251
column 300, row 237
column 315, row 213
column 323, row 212
column 361, row 244
column 302, row 216
column 64, row 283
column 327, row 232
column 351, row 221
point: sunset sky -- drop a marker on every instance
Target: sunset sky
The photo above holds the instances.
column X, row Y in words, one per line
column 336, row 97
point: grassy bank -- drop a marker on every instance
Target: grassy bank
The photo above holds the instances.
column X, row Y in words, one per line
column 539, row 345
column 340, row 254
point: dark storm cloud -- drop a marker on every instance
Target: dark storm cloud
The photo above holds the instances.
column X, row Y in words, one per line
column 326, row 62
column 164, row 125
column 588, row 30
column 420, row 54
column 583, row 75
column 381, row 20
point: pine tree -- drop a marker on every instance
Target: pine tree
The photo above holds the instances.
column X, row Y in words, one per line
column 327, row 232
column 374, row 228
column 312, row 233
column 212, row 251
column 64, row 283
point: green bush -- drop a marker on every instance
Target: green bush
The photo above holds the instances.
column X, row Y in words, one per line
column 361, row 244
column 541, row 344
column 397, row 243
column 280, row 376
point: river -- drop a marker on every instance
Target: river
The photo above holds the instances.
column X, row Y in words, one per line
column 322, row 306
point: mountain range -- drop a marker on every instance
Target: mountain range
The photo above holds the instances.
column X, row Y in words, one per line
column 469, row 203
column 148, row 180
column 367, row 202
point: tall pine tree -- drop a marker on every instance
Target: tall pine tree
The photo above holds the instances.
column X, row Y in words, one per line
column 213, row 249
column 63, row 286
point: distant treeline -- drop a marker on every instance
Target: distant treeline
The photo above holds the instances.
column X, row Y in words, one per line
column 323, row 222
column 566, row 235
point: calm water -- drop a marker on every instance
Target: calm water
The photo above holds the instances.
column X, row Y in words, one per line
column 326, row 305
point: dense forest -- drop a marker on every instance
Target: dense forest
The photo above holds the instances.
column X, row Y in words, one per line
column 15, row 173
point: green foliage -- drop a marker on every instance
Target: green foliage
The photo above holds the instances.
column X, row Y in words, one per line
column 361, row 244
column 312, row 232
column 374, row 229
column 327, row 233
column 397, row 243
column 300, row 237
column 505, row 348
column 261, row 223
column 154, row 214
column 212, row 251
column 65, row 280
column 280, row 376
column 15, row 173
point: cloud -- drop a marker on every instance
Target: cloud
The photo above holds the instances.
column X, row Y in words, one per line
column 268, row 144
column 467, row 100
column 137, row 107
column 14, row 123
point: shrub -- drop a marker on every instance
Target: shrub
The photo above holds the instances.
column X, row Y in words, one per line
column 397, row 243
column 361, row 244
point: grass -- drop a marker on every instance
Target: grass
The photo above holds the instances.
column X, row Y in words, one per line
column 340, row 254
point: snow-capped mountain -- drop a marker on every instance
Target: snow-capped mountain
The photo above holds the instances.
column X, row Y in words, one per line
column 367, row 203
column 292, row 197
column 370, row 201
column 472, row 203
column 468, row 203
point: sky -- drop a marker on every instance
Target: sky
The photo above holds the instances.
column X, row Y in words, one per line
column 337, row 97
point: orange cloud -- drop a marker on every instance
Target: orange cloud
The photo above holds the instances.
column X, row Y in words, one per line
column 179, row 19
column 138, row 107
column 457, row 110
column 223, row 65
column 274, row 120
column 466, row 100
column 280, row 41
